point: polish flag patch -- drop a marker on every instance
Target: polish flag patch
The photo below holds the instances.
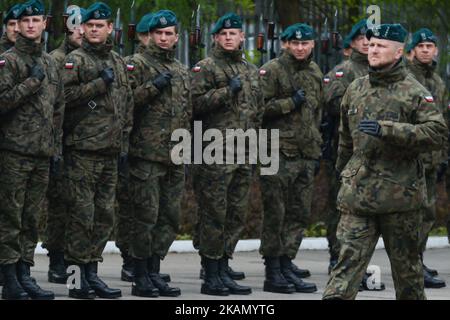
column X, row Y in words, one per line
column 326, row 80
column 262, row 72
column 69, row 65
column 429, row 99
column 130, row 67
column 2, row 63
column 339, row 74
column 197, row 69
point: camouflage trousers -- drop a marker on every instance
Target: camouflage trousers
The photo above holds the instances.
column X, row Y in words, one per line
column 155, row 190
column 23, row 185
column 447, row 187
column 123, row 216
column 429, row 211
column 91, row 181
column 222, row 193
column 54, row 237
column 287, row 200
column 333, row 215
column 359, row 235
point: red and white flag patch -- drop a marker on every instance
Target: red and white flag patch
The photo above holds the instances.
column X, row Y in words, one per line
column 339, row 74
column 262, row 72
column 197, row 69
column 130, row 67
column 69, row 65
column 429, row 99
column 2, row 63
column 326, row 80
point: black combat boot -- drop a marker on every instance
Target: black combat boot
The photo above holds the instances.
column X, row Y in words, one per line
column 275, row 281
column 29, row 284
column 431, row 282
column 212, row 284
column 229, row 282
column 142, row 285
column 364, row 287
column 431, row 272
column 127, row 272
column 300, row 273
column 289, row 275
column 100, row 288
column 154, row 265
column 12, row 290
column 235, row 275
column 84, row 292
column 57, row 268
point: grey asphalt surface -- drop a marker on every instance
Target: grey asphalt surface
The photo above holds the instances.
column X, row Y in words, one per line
column 184, row 270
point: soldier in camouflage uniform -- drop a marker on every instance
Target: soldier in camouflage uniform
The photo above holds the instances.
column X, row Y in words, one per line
column 423, row 67
column 11, row 29
column 387, row 120
column 32, row 108
column 123, row 218
column 292, row 88
column 226, row 95
column 56, row 210
column 336, row 83
column 96, row 130
column 161, row 91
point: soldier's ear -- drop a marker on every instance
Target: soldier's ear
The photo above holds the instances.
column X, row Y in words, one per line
column 436, row 54
column 110, row 27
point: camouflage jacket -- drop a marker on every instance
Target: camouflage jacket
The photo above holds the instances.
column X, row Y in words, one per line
column 60, row 53
column 157, row 114
column 31, row 111
column 5, row 44
column 213, row 102
column 98, row 117
column 428, row 77
column 299, row 128
column 386, row 175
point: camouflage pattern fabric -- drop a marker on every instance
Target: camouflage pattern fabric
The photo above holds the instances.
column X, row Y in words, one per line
column 156, row 185
column 359, row 235
column 5, row 43
column 222, row 190
column 336, row 83
column 287, row 200
column 123, row 219
column 287, row 195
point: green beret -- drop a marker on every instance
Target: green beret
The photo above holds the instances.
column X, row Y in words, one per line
column 163, row 19
column 97, row 11
column 422, row 35
column 358, row 29
column 393, row 32
column 347, row 42
column 228, row 21
column 31, row 8
column 13, row 13
column 144, row 24
column 298, row 31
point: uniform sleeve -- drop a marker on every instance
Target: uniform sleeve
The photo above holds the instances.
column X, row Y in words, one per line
column 206, row 98
column 345, row 148
column 274, row 106
column 334, row 90
column 76, row 92
column 128, row 123
column 143, row 93
column 13, row 94
column 58, row 117
column 426, row 134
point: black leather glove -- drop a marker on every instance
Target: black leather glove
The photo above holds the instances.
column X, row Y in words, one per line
column 235, row 84
column 162, row 80
column 441, row 171
column 299, row 98
column 123, row 163
column 55, row 163
column 370, row 127
column 36, row 71
column 107, row 75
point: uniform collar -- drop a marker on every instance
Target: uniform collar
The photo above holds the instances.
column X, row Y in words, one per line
column 359, row 57
column 30, row 47
column 231, row 56
column 426, row 69
column 100, row 50
column 289, row 59
column 161, row 54
column 69, row 46
column 387, row 76
column 5, row 42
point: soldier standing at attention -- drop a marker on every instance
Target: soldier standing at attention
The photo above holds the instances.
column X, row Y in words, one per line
column 388, row 119
column 292, row 88
column 226, row 95
column 96, row 130
column 12, row 29
column 423, row 67
column 161, row 92
column 57, row 211
column 32, row 109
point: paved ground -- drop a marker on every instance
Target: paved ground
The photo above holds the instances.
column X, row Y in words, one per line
column 184, row 271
